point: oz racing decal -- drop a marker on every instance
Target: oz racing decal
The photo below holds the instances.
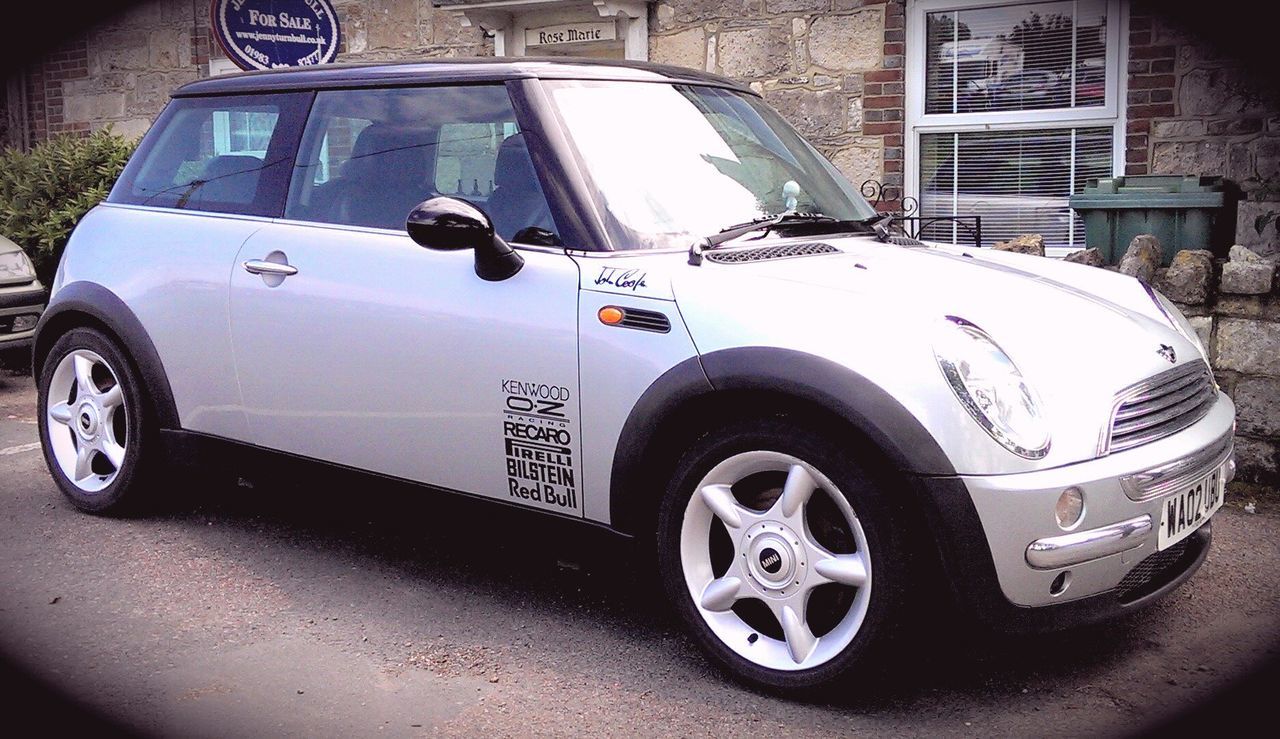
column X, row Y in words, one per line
column 537, row 434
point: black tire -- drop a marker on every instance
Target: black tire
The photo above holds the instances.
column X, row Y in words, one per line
column 129, row 492
column 876, row 513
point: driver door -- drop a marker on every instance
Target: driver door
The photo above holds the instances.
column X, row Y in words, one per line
column 354, row 345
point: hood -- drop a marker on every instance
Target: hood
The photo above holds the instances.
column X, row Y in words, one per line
column 7, row 246
column 1079, row 334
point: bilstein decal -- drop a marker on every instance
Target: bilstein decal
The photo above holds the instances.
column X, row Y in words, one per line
column 538, row 436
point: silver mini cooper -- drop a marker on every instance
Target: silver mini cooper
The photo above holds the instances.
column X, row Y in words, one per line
column 632, row 295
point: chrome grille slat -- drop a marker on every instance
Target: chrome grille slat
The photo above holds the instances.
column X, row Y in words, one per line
column 1188, row 386
column 1168, row 413
column 1160, row 432
column 1160, row 406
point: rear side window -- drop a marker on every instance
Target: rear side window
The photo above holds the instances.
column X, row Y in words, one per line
column 223, row 154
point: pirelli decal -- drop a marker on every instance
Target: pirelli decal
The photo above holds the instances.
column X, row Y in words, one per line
column 537, row 434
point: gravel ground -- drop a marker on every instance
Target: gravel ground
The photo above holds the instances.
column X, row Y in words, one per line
column 250, row 611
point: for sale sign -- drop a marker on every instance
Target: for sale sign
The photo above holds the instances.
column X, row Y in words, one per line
column 267, row 34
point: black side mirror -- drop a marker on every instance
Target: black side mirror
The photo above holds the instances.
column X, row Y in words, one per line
column 451, row 224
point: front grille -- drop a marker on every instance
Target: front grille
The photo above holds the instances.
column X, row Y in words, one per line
column 1161, row 406
column 1152, row 573
column 760, row 254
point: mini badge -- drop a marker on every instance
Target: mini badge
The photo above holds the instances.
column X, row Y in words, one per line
column 1168, row 353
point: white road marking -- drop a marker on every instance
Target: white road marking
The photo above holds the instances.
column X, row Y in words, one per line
column 19, row 449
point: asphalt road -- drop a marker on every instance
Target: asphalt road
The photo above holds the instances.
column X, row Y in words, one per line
column 252, row 611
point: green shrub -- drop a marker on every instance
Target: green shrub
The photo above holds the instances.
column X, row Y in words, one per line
column 45, row 192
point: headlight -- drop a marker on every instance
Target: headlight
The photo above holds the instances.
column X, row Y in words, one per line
column 16, row 267
column 991, row 388
column 1176, row 319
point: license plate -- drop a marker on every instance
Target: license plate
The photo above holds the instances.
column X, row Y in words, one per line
column 1184, row 512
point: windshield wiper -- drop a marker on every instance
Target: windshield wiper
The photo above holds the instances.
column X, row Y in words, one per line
column 766, row 224
column 880, row 225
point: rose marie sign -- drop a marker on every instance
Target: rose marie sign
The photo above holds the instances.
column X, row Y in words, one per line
column 266, row 34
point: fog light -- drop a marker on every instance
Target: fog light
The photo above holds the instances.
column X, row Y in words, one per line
column 1060, row 583
column 25, row 323
column 1070, row 508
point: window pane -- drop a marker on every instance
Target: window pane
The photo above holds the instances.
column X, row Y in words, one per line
column 1017, row 181
column 369, row 156
column 219, row 154
column 1016, row 57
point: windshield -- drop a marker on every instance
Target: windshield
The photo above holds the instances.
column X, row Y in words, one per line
column 670, row 164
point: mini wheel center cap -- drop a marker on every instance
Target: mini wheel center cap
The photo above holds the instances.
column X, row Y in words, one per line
column 87, row 421
column 770, row 561
column 773, row 558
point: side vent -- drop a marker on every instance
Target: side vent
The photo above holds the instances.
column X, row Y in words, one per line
column 641, row 320
column 764, row 253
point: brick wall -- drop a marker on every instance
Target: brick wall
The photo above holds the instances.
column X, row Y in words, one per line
column 833, row 68
column 1195, row 107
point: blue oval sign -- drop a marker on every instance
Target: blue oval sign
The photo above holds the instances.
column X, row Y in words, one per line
column 265, row 34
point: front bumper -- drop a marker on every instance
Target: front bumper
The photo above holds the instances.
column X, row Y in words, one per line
column 16, row 302
column 999, row 534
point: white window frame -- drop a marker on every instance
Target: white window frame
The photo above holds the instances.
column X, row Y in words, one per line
column 222, row 65
column 1111, row 113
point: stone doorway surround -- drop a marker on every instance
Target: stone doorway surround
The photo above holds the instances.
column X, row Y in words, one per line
column 507, row 20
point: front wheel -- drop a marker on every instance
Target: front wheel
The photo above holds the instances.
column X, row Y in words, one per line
column 779, row 553
column 93, row 424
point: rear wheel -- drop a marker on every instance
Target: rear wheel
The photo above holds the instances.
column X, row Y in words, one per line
column 778, row 552
column 93, row 425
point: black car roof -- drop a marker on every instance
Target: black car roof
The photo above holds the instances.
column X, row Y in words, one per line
column 485, row 69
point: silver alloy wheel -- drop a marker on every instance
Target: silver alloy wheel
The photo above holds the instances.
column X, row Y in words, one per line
column 775, row 560
column 87, row 423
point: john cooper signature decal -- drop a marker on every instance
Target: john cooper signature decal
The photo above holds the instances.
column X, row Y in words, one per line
column 623, row 279
column 538, row 439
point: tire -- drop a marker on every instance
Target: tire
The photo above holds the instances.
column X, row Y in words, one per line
column 99, row 445
column 841, row 587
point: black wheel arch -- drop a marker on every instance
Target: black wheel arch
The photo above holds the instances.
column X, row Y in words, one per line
column 752, row 381
column 88, row 304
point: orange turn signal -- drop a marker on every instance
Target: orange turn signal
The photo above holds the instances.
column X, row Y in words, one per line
column 610, row 315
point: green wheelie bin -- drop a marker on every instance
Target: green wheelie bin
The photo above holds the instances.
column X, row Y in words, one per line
column 1182, row 211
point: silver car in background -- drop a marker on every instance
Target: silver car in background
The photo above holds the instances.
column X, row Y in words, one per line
column 22, row 297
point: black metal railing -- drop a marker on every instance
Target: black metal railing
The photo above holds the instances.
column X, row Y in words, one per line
column 906, row 222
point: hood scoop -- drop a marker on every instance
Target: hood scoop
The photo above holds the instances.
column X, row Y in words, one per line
column 905, row 241
column 765, row 253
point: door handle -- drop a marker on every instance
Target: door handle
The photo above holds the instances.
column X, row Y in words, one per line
column 260, row 267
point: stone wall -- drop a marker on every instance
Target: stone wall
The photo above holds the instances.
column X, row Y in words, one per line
column 1239, row 323
column 833, row 68
column 1195, row 108
column 121, row 72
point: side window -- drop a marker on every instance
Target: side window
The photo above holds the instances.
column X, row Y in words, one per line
column 467, row 157
column 369, row 156
column 225, row 154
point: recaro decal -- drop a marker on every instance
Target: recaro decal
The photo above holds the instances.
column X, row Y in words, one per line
column 537, row 433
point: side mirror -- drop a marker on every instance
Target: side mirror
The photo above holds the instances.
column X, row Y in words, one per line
column 450, row 224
